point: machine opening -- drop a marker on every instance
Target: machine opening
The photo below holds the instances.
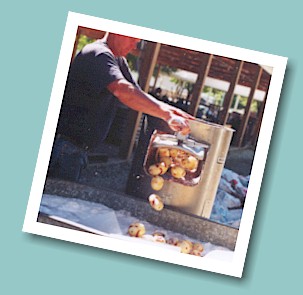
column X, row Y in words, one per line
column 175, row 160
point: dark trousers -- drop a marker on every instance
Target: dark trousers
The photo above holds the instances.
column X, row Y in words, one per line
column 67, row 160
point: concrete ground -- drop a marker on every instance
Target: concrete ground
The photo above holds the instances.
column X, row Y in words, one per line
column 240, row 160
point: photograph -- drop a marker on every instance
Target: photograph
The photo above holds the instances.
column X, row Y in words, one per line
column 154, row 144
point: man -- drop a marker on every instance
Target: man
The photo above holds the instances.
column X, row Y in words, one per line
column 98, row 77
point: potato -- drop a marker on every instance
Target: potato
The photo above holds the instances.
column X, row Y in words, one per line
column 157, row 183
column 163, row 167
column 178, row 171
column 158, row 233
column 157, row 169
column 199, row 247
column 189, row 163
column 173, row 241
column 156, row 202
column 163, row 152
column 166, row 160
column 174, row 153
column 159, row 239
column 136, row 230
column 195, row 252
column 186, row 246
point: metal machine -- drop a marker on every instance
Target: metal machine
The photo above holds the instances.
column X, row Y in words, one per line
column 194, row 192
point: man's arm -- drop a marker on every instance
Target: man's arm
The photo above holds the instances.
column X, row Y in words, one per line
column 140, row 101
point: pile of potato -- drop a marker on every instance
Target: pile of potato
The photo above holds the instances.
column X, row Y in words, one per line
column 174, row 161
column 138, row 230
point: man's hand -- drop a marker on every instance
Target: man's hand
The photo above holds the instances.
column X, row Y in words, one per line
column 179, row 124
column 178, row 120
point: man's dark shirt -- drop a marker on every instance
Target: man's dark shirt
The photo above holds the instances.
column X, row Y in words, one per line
column 88, row 108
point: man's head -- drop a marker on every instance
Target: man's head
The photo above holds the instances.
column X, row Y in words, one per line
column 121, row 45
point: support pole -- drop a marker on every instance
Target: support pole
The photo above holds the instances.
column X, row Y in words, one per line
column 257, row 126
column 244, row 121
column 203, row 73
column 228, row 98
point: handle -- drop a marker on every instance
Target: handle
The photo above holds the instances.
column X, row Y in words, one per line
column 181, row 137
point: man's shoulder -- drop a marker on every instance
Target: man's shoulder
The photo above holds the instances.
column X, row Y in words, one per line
column 98, row 47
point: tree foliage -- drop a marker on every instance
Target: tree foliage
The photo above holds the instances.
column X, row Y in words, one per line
column 132, row 61
column 167, row 69
column 216, row 93
column 243, row 102
column 83, row 40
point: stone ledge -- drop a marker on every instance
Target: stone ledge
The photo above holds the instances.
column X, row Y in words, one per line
column 191, row 225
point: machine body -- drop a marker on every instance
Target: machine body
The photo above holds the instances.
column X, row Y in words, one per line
column 195, row 193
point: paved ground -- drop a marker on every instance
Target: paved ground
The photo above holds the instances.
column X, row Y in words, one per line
column 240, row 160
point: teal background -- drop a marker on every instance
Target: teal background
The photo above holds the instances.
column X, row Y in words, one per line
column 31, row 36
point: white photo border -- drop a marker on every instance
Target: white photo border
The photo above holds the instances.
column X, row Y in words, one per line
column 234, row 268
